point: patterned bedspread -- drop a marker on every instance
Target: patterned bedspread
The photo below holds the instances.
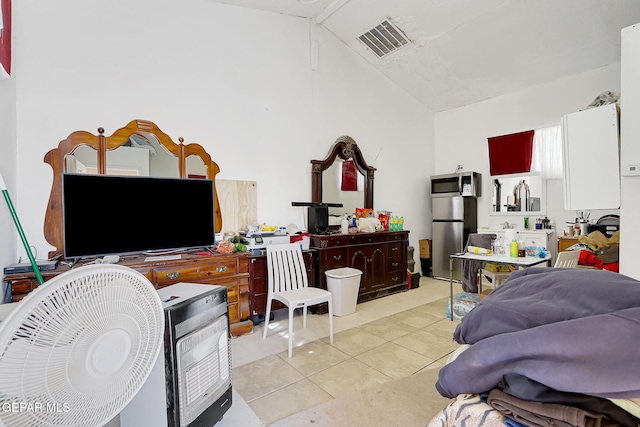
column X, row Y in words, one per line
column 469, row 411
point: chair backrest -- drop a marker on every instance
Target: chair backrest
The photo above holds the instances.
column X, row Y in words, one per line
column 481, row 240
column 285, row 268
column 568, row 259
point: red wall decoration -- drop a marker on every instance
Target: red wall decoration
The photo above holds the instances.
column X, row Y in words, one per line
column 5, row 38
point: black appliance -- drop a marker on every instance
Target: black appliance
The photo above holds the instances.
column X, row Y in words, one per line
column 197, row 354
column 607, row 225
column 317, row 215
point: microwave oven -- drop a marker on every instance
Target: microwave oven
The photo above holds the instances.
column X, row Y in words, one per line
column 465, row 184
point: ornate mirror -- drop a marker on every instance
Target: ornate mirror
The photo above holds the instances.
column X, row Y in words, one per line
column 140, row 148
column 326, row 174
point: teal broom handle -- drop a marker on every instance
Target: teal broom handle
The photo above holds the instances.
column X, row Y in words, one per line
column 14, row 215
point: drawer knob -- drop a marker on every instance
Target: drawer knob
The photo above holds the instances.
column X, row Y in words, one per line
column 394, row 249
column 173, row 275
column 221, row 269
column 337, row 257
column 395, row 264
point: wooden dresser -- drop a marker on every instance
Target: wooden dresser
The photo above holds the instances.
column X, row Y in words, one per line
column 230, row 270
column 381, row 256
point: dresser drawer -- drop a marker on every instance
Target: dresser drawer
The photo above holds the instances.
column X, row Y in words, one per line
column 216, row 269
column 396, row 277
column 335, row 241
column 334, row 258
column 395, row 265
column 395, row 249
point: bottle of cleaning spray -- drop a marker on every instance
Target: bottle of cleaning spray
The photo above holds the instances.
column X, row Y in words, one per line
column 514, row 249
column 344, row 226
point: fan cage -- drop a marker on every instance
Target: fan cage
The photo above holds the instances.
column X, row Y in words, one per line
column 46, row 342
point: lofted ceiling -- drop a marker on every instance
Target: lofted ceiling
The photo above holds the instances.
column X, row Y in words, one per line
column 465, row 51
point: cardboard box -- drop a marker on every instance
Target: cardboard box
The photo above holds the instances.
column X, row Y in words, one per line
column 425, row 248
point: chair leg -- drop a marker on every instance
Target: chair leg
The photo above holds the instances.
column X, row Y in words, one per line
column 291, row 310
column 304, row 316
column 330, row 321
column 266, row 319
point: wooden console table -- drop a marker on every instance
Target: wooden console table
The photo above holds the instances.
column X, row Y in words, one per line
column 381, row 256
column 229, row 270
column 565, row 242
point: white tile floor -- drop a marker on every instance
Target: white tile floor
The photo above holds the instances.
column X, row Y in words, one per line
column 252, row 347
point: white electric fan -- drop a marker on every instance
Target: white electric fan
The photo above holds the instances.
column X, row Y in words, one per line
column 76, row 350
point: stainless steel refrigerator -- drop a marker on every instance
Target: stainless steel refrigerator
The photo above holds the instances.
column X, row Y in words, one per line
column 453, row 219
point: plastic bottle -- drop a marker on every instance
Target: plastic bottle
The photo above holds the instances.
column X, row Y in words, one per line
column 344, row 226
column 498, row 247
column 522, row 249
column 401, row 223
column 514, row 249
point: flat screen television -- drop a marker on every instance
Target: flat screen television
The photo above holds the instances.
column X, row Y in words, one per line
column 105, row 214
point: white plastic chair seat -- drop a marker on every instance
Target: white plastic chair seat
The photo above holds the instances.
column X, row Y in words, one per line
column 289, row 284
column 303, row 296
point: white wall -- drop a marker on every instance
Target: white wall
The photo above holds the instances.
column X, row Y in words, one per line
column 461, row 134
column 8, row 234
column 235, row 80
column 630, row 151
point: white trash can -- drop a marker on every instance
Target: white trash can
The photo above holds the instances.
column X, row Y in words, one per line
column 344, row 284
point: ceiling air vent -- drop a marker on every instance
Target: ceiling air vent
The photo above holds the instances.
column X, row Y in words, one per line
column 384, row 38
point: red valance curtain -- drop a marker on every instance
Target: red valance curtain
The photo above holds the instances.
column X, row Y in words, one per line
column 511, row 153
column 5, row 38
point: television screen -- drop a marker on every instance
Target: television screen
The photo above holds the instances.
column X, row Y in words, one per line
column 105, row 214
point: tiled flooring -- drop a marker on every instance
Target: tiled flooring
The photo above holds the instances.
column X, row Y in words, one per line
column 384, row 340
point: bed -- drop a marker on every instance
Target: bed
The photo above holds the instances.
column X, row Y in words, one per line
column 556, row 347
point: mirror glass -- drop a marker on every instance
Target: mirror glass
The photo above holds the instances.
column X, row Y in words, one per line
column 332, row 193
column 84, row 159
column 513, row 194
column 196, row 168
column 141, row 155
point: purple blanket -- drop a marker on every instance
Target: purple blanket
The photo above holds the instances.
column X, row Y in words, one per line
column 572, row 330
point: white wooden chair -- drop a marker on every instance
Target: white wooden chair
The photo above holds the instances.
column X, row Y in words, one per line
column 497, row 277
column 568, row 259
column 288, row 283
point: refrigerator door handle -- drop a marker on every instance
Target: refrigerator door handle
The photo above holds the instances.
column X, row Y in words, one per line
column 460, row 184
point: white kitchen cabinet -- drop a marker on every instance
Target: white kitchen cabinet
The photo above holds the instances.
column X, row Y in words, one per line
column 590, row 144
column 545, row 238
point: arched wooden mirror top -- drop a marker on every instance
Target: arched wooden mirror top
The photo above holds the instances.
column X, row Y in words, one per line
column 345, row 148
column 115, row 154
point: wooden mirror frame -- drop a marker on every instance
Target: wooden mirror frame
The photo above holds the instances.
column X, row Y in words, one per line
column 53, row 223
column 346, row 148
